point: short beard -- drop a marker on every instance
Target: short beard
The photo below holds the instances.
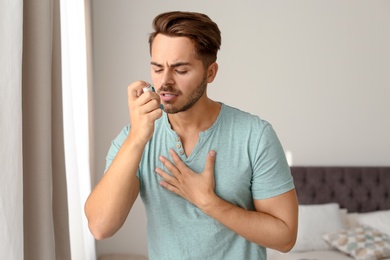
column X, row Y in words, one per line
column 194, row 97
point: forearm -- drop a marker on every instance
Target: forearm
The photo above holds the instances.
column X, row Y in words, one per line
column 258, row 227
column 111, row 200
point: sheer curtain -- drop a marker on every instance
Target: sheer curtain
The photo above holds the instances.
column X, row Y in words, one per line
column 11, row 175
column 76, row 130
column 39, row 214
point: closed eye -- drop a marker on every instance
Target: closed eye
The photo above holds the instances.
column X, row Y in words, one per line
column 158, row 70
column 181, row 72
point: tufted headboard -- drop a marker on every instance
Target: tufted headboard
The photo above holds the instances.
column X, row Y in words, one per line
column 359, row 189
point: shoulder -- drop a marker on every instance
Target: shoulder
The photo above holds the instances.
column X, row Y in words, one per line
column 243, row 119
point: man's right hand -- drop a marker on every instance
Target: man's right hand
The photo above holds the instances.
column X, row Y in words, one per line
column 110, row 202
column 144, row 109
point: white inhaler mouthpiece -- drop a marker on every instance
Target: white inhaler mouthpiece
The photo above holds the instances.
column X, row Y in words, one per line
column 149, row 88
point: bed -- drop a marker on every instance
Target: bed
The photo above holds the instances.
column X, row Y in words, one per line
column 344, row 214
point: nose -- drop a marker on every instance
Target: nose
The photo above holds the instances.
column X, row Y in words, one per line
column 167, row 78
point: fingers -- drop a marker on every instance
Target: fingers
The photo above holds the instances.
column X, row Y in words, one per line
column 134, row 90
column 210, row 162
column 137, row 96
column 178, row 162
column 150, row 106
column 143, row 103
column 170, row 166
column 178, row 166
column 168, row 179
column 144, row 110
column 169, row 182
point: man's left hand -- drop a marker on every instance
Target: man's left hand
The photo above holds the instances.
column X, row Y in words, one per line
column 197, row 188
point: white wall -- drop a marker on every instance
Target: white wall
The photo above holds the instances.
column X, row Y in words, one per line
column 317, row 70
column 11, row 160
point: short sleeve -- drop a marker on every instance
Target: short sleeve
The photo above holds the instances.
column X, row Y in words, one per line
column 271, row 173
column 115, row 146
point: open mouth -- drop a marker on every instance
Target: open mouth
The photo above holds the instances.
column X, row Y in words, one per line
column 168, row 96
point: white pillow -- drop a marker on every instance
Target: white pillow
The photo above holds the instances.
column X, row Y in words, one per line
column 344, row 216
column 314, row 221
column 352, row 221
column 379, row 220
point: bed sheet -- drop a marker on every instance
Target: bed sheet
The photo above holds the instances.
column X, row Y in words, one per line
column 309, row 255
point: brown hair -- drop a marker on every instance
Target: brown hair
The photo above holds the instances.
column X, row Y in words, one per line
column 203, row 32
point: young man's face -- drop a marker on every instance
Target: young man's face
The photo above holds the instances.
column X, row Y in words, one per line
column 177, row 74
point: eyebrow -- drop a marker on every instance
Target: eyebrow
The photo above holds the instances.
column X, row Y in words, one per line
column 174, row 65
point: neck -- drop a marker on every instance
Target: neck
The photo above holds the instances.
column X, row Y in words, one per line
column 196, row 119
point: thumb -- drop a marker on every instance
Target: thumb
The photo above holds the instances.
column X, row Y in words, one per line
column 210, row 162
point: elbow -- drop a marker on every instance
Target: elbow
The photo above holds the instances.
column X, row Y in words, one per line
column 287, row 241
column 98, row 232
column 288, row 245
column 96, row 226
column 98, row 235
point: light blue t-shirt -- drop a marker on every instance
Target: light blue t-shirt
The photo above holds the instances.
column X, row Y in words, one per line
column 250, row 164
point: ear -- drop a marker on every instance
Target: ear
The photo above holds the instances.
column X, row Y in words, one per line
column 212, row 72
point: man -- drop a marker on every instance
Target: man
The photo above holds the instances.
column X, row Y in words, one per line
column 214, row 180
